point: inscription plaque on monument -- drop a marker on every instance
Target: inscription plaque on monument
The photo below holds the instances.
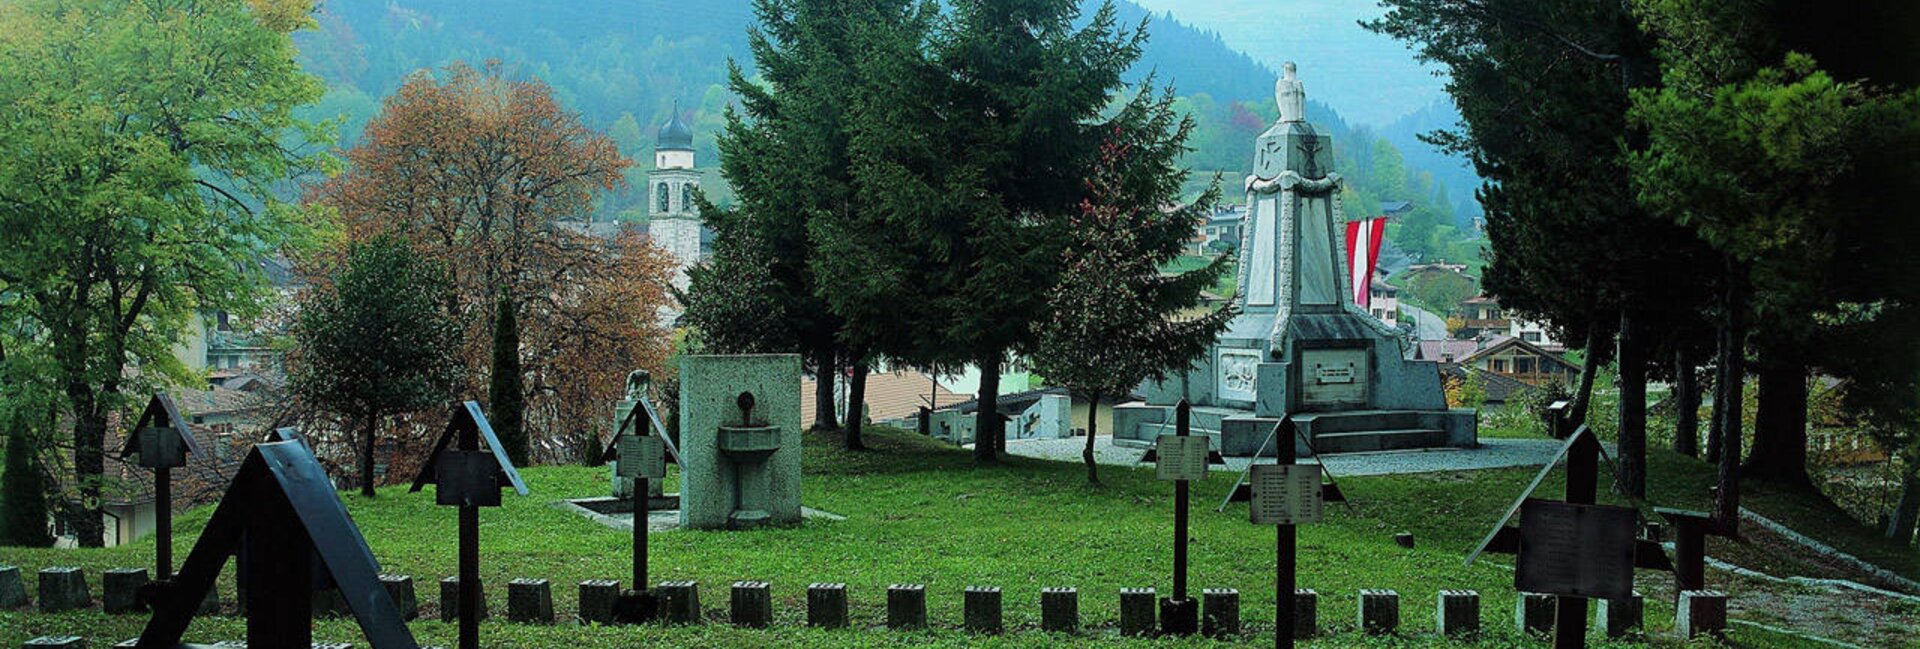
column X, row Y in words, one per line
column 1575, row 550
column 643, row 456
column 1285, row 494
column 1181, row 457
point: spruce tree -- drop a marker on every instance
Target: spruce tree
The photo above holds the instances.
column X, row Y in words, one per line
column 507, row 395
column 23, row 494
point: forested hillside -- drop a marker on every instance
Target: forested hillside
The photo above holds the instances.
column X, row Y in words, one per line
column 623, row 64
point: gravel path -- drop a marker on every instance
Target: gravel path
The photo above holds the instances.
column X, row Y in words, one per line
column 1492, row 454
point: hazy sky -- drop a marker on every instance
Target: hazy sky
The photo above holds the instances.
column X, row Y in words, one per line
column 1369, row 78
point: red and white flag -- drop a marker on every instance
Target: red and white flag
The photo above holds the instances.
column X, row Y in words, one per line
column 1363, row 252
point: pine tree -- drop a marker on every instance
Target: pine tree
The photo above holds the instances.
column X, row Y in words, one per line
column 1114, row 320
column 506, row 394
column 23, row 495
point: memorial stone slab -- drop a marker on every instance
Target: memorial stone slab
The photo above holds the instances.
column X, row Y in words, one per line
column 450, row 599
column 120, row 590
column 1379, row 611
column 1060, row 610
column 400, row 590
column 752, row 604
column 981, row 609
column 680, row 601
column 1620, row 618
column 1700, row 612
column 530, row 601
column 1181, row 457
column 1306, row 613
column 1533, row 613
column 827, row 605
column 906, row 606
column 13, row 590
column 597, row 598
column 1457, row 613
column 1137, row 612
column 1220, row 612
column 1285, row 494
column 63, row 589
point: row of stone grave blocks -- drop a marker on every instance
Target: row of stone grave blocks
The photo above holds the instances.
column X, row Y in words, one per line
column 531, row 601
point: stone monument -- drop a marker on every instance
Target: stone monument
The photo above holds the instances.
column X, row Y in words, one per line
column 1300, row 346
column 740, row 441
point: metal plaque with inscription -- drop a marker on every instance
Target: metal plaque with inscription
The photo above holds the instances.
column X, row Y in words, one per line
column 1286, row 494
column 642, row 456
column 1181, row 458
column 1575, row 550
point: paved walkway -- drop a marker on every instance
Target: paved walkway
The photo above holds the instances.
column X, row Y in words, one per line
column 1492, row 454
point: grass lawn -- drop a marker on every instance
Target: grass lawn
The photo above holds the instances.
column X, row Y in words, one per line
column 919, row 512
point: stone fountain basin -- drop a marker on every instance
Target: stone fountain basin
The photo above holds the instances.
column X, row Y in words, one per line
column 749, row 439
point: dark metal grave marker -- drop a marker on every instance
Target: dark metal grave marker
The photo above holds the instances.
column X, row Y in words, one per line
column 282, row 517
column 160, row 441
column 1575, row 550
column 1181, row 458
column 1284, row 495
column 642, row 457
column 1243, row 490
column 469, row 477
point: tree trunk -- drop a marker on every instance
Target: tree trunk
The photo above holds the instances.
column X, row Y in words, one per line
column 1633, row 408
column 1780, row 425
column 1715, row 420
column 825, row 368
column 89, row 466
column 371, row 427
column 1591, row 369
column 856, row 404
column 1906, row 516
column 986, row 422
column 1093, row 429
column 1733, row 336
column 1686, row 403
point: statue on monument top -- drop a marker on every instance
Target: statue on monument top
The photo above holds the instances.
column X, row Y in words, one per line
column 1291, row 95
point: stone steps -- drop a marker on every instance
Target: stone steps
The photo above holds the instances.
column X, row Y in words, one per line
column 1379, row 440
column 1361, row 420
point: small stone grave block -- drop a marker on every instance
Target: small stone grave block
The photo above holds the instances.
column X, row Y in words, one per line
column 450, row 599
column 982, row 609
column 530, row 601
column 120, row 590
column 753, row 604
column 827, row 605
column 1533, row 613
column 1457, row 613
column 400, row 590
column 1701, row 612
column 13, row 590
column 597, row 598
column 56, row 642
column 1379, row 611
column 1306, row 613
column 1620, row 618
column 906, row 606
column 1137, row 611
column 63, row 589
column 1220, row 612
column 1060, row 610
column 680, row 601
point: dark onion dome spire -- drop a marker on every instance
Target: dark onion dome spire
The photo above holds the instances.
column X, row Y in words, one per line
column 676, row 135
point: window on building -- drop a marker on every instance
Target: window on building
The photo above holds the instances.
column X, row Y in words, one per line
column 686, row 196
column 221, row 321
column 662, row 199
column 1500, row 365
column 1530, row 336
column 1523, row 365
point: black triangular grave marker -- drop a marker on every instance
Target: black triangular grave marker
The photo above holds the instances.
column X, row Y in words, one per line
column 282, row 510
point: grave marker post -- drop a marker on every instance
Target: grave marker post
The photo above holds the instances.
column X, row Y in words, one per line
column 1583, row 478
column 467, row 477
column 160, row 441
column 1285, row 495
column 1182, row 458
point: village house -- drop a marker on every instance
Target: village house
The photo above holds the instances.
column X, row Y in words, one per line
column 1481, row 314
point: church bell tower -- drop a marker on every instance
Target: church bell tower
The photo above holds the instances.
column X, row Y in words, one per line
column 673, row 222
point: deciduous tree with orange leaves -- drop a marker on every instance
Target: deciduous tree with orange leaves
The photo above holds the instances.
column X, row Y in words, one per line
column 490, row 175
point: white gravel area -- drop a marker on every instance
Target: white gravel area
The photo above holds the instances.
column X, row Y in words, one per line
column 1491, row 454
